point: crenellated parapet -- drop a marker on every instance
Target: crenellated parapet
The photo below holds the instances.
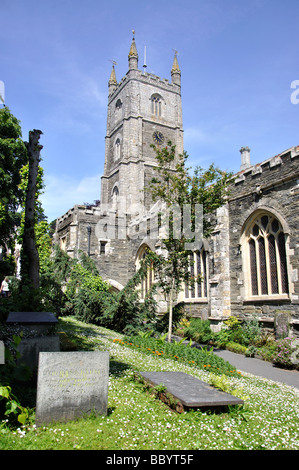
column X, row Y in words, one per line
column 270, row 172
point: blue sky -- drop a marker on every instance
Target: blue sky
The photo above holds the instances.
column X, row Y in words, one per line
column 238, row 60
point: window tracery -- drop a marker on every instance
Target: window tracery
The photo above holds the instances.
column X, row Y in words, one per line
column 156, row 105
column 198, row 268
column 266, row 249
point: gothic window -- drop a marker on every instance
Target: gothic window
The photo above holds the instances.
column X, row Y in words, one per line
column 63, row 243
column 149, row 277
column 198, row 272
column 117, row 147
column 118, row 110
column 266, row 249
column 118, row 104
column 115, row 192
column 156, row 105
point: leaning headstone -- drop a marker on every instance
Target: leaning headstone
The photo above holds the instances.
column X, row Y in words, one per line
column 282, row 324
column 71, row 384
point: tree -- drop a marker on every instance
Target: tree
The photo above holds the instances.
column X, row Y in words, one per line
column 13, row 156
column 44, row 244
column 29, row 257
column 176, row 188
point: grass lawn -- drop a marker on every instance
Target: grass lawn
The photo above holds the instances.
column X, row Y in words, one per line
column 136, row 420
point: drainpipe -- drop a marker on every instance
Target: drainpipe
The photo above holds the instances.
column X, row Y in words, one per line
column 89, row 232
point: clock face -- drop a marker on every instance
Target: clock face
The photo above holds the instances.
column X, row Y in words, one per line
column 158, row 137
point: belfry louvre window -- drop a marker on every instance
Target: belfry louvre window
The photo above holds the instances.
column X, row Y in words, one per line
column 267, row 257
column 156, row 105
column 198, row 271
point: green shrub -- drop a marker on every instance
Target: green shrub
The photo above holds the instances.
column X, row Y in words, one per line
column 252, row 331
column 86, row 293
column 232, row 322
column 246, row 333
column 223, row 337
column 199, row 330
column 88, row 306
column 17, row 377
column 268, row 352
column 287, row 354
column 236, row 347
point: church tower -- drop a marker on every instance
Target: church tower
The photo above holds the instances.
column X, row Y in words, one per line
column 142, row 110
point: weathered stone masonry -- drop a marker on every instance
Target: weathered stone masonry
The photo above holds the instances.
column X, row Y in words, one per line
column 273, row 187
column 250, row 263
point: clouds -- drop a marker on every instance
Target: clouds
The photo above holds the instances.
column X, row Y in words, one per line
column 237, row 61
column 63, row 192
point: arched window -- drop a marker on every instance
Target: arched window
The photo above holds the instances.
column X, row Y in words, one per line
column 265, row 256
column 118, row 104
column 198, row 271
column 156, row 105
column 149, row 278
column 115, row 191
column 117, row 147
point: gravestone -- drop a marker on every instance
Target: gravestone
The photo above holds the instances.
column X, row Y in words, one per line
column 71, row 384
column 190, row 391
column 29, row 348
column 2, row 353
column 38, row 330
column 282, row 324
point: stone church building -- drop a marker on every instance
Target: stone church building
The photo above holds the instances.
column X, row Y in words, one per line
column 250, row 263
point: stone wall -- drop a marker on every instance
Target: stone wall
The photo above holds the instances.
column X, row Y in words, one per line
column 272, row 186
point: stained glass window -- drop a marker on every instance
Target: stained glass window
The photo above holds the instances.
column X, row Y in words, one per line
column 267, row 257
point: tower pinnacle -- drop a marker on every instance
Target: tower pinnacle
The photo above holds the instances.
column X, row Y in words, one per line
column 175, row 71
column 112, row 84
column 133, row 54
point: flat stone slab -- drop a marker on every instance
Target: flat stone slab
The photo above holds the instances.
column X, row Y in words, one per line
column 190, row 391
column 71, row 384
column 32, row 318
column 32, row 322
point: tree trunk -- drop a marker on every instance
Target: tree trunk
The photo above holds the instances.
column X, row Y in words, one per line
column 170, row 313
column 30, row 253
